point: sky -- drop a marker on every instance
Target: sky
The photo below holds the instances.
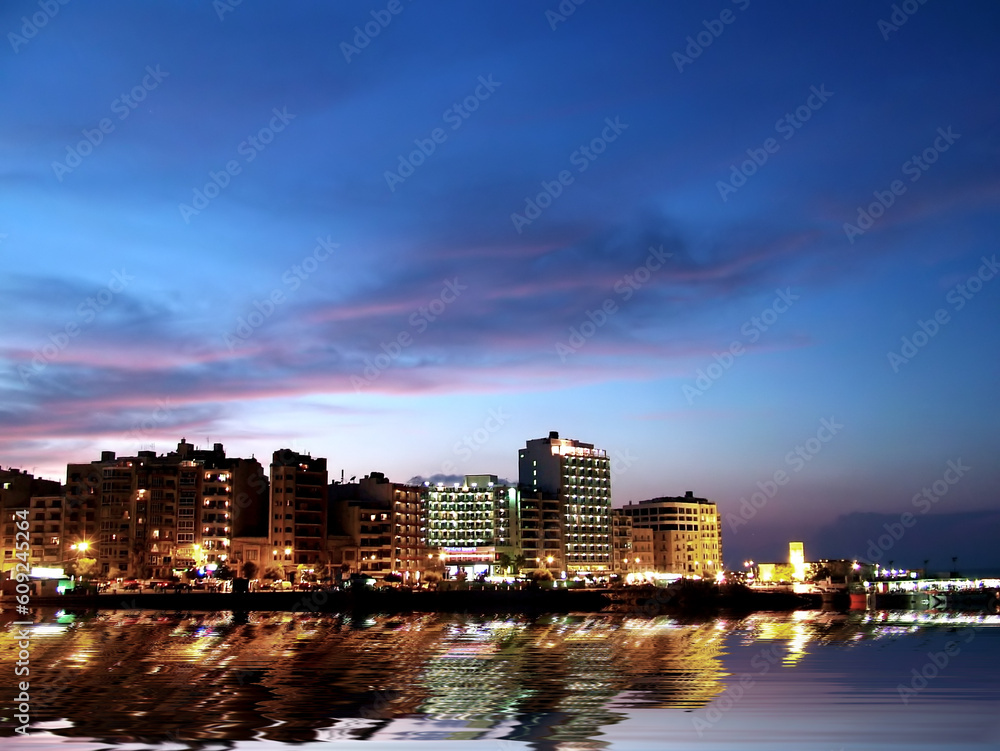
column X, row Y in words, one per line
column 745, row 247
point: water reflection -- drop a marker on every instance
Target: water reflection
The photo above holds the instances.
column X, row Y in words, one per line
column 554, row 682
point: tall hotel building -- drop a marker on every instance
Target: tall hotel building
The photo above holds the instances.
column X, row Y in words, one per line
column 570, row 483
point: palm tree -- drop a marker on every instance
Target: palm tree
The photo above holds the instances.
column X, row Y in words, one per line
column 519, row 562
column 504, row 561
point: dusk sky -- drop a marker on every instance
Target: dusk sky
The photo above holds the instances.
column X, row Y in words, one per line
column 262, row 225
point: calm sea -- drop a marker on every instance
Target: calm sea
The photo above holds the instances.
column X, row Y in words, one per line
column 805, row 680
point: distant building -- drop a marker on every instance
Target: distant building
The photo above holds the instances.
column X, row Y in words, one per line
column 579, row 477
column 473, row 526
column 687, row 533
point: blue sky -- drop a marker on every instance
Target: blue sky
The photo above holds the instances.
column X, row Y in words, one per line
column 477, row 301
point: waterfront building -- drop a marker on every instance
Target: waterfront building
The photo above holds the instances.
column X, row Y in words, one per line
column 45, row 531
column 643, row 550
column 378, row 527
column 621, row 542
column 578, row 476
column 472, row 526
column 17, row 489
column 541, row 523
column 686, row 531
column 299, row 507
column 152, row 516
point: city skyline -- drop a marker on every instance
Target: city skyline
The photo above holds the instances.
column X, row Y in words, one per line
column 891, row 538
column 748, row 250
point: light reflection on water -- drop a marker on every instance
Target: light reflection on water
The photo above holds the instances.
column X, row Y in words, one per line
column 797, row 680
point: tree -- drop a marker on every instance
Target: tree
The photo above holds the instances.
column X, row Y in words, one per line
column 505, row 562
column 306, row 573
column 431, row 577
column 273, row 573
column 519, row 561
column 223, row 572
column 250, row 570
column 84, row 567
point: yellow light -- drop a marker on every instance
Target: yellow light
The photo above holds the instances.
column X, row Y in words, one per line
column 288, row 551
column 550, row 559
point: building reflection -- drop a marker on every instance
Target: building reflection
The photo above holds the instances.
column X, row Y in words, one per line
column 552, row 682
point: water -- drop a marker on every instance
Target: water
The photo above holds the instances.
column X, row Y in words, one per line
column 806, row 680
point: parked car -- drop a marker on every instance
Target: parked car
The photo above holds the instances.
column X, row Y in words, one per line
column 130, row 585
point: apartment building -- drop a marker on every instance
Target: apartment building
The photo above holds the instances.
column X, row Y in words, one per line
column 381, row 525
column 298, row 512
column 687, row 533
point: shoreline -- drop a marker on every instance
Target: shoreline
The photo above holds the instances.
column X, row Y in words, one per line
column 532, row 601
